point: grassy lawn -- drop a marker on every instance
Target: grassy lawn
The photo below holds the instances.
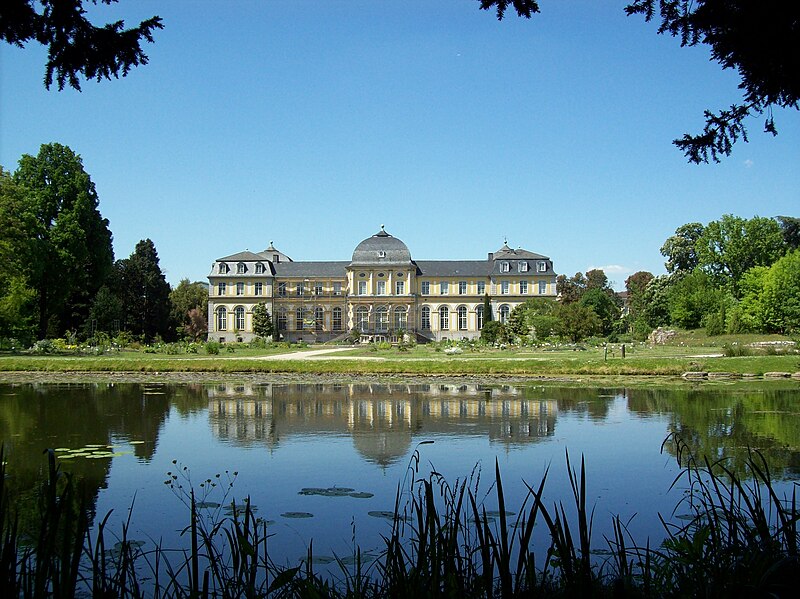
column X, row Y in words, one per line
column 688, row 351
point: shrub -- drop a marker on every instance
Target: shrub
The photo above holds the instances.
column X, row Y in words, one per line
column 43, row 346
column 384, row 345
column 212, row 348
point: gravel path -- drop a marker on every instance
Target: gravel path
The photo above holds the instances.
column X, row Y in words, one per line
column 313, row 354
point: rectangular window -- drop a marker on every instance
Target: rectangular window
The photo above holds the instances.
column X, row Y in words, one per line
column 259, row 289
column 426, row 319
column 241, row 269
column 317, row 288
column 381, row 288
column 504, row 287
column 337, row 319
column 399, row 287
column 542, row 287
column 362, row 288
column 444, row 288
column 300, row 289
column 462, row 288
column 523, row 267
column 523, row 287
column 425, row 288
column 221, row 289
column 259, row 269
column 481, row 287
column 282, row 289
column 542, row 266
column 239, row 288
column 337, row 289
column 505, row 267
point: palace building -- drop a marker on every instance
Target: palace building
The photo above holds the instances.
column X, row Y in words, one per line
column 382, row 292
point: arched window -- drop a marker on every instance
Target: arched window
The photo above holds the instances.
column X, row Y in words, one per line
column 362, row 319
column 444, row 318
column 462, row 318
column 400, row 319
column 298, row 319
column 281, row 319
column 238, row 318
column 382, row 319
column 479, row 314
column 425, row 318
column 504, row 312
column 337, row 319
column 319, row 315
column 222, row 319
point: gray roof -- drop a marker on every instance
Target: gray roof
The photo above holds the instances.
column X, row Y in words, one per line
column 451, row 268
column 311, row 269
column 381, row 249
column 507, row 253
column 245, row 256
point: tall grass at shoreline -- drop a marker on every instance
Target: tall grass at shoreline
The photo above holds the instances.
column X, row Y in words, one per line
column 739, row 539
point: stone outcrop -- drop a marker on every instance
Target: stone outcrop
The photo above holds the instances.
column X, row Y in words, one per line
column 661, row 336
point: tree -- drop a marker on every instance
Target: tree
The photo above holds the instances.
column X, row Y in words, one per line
column 790, row 227
column 597, row 279
column 758, row 39
column 731, row 246
column 184, row 298
column 570, row 290
column 534, row 316
column 106, row 312
column 75, row 46
column 680, row 250
column 656, row 301
column 144, row 292
column 603, row 306
column 487, row 309
column 494, row 331
column 781, row 298
column 518, row 324
column 197, row 324
column 576, row 322
column 693, row 298
column 262, row 321
column 68, row 253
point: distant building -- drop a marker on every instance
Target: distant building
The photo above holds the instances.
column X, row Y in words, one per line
column 381, row 292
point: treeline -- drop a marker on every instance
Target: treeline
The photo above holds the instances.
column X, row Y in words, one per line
column 59, row 277
column 731, row 276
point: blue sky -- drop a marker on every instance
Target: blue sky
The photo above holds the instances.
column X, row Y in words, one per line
column 313, row 123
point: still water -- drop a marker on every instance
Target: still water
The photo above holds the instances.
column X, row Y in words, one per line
column 272, row 440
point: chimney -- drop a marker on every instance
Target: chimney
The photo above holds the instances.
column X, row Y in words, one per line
column 491, row 256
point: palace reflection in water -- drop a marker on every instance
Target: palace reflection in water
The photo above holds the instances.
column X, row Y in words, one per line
column 382, row 419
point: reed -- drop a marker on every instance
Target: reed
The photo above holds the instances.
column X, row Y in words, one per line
column 739, row 539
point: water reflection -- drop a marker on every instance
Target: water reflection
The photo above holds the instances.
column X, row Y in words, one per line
column 381, row 419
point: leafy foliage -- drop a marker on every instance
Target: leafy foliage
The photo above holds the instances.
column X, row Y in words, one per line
column 576, row 322
column 67, row 253
column 262, row 321
column 758, row 39
column 74, row 45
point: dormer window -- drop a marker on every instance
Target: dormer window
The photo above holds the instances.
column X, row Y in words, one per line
column 505, row 267
column 381, row 254
column 523, row 267
column 542, row 266
column 223, row 268
column 241, row 268
column 259, row 269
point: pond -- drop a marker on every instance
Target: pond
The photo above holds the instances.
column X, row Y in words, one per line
column 325, row 461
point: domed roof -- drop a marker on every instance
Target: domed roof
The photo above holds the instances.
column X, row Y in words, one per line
column 381, row 249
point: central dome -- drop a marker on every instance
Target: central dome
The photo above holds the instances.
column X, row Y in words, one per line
column 381, row 248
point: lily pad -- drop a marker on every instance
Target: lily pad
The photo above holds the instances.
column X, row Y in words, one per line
column 297, row 515
column 350, row 560
column 321, row 560
column 206, row 505
column 386, row 515
column 496, row 513
column 362, row 495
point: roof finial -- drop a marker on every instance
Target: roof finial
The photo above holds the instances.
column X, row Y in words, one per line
column 270, row 242
column 383, row 228
column 505, row 239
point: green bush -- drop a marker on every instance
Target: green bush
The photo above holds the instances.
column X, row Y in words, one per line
column 384, row 345
column 212, row 348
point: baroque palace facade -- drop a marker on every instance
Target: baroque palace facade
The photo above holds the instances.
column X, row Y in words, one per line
column 381, row 292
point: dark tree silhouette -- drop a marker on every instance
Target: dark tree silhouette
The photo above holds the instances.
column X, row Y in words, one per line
column 74, row 45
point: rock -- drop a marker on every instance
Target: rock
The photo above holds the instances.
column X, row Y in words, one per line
column 695, row 375
column 777, row 375
column 661, row 336
column 724, row 375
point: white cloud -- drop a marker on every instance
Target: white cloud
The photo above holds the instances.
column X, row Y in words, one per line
column 748, row 163
column 612, row 269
